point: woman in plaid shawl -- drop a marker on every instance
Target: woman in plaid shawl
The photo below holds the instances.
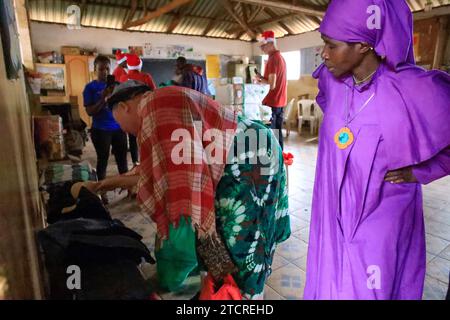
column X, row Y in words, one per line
column 230, row 176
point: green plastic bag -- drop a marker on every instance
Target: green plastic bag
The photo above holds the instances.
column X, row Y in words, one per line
column 177, row 257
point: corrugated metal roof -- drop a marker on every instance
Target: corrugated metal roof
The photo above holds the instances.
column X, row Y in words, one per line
column 194, row 18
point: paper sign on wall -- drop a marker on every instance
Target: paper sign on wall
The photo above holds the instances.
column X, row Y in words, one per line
column 213, row 66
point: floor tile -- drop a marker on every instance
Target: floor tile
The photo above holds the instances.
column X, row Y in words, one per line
column 430, row 257
column 434, row 289
column 292, row 249
column 301, row 263
column 288, row 281
column 190, row 288
column 437, row 229
column 439, row 269
column 278, row 261
column 436, row 245
column 445, row 253
column 297, row 224
column 438, row 216
column 302, row 234
column 270, row 294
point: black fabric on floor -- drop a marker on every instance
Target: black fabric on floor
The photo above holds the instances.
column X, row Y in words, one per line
column 107, row 253
column 88, row 205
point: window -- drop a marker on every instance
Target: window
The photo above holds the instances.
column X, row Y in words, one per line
column 293, row 63
column 292, row 59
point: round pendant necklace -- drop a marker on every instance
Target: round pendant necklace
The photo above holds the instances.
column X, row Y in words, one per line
column 345, row 137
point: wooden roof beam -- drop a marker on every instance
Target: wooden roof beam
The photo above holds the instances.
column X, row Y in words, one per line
column 178, row 17
column 157, row 13
column 219, row 18
column 228, row 7
column 255, row 14
column 313, row 11
column 281, row 23
column 263, row 22
column 214, row 21
column 144, row 6
column 245, row 12
column 130, row 13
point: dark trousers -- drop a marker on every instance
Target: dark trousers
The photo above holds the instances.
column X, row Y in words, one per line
column 277, row 123
column 133, row 148
column 448, row 292
column 103, row 141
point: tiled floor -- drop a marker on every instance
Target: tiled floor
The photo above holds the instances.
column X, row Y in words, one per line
column 288, row 278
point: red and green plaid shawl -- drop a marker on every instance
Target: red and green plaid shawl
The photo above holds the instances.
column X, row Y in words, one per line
column 167, row 190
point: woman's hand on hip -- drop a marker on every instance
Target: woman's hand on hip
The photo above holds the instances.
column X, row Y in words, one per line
column 403, row 175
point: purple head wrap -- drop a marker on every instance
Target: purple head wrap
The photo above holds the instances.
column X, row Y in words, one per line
column 387, row 25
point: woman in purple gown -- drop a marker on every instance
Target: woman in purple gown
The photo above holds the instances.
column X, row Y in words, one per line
column 386, row 131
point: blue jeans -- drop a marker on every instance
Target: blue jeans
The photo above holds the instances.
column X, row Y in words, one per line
column 277, row 123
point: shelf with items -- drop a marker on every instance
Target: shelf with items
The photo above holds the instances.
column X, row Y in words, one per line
column 54, row 89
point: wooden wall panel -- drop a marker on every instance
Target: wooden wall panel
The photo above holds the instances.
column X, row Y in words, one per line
column 20, row 206
column 428, row 31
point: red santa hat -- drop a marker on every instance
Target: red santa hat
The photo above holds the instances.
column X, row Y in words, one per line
column 120, row 57
column 267, row 36
column 134, row 62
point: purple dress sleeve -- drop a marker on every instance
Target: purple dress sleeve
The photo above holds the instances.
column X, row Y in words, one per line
column 321, row 75
column 433, row 169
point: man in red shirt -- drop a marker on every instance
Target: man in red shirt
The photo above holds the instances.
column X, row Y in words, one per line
column 134, row 64
column 120, row 70
column 275, row 76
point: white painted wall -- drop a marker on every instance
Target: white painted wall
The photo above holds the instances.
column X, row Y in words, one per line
column 294, row 43
column 49, row 37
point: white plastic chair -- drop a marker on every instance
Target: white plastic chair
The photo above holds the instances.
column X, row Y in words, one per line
column 306, row 112
column 288, row 122
column 318, row 113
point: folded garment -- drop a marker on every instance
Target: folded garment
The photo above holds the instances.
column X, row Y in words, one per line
column 57, row 173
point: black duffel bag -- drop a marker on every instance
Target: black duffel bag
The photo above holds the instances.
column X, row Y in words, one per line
column 104, row 253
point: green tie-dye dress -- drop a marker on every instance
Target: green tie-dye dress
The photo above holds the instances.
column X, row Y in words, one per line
column 252, row 205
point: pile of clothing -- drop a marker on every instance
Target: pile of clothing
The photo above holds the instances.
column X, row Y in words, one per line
column 84, row 238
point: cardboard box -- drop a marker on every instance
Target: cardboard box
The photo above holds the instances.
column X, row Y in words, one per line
column 74, row 51
column 49, row 137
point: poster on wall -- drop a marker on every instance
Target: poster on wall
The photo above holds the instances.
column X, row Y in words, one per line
column 123, row 50
column 189, row 53
column 311, row 58
column 137, row 50
column 180, row 51
column 159, row 53
column 213, row 66
column 148, row 48
column 167, row 52
column 10, row 39
column 52, row 77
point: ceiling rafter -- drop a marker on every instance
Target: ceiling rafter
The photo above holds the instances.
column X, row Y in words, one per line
column 156, row 13
column 219, row 18
column 263, row 22
column 131, row 12
column 255, row 13
column 309, row 10
column 145, row 6
column 273, row 15
column 179, row 16
column 229, row 8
